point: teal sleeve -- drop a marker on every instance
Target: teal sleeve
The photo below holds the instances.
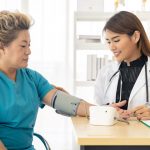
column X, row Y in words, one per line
column 42, row 85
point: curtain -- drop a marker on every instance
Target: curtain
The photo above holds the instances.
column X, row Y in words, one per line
column 49, row 46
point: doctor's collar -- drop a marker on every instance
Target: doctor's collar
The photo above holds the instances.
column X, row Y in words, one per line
column 136, row 63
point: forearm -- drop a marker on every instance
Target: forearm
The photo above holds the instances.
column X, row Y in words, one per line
column 69, row 105
column 83, row 108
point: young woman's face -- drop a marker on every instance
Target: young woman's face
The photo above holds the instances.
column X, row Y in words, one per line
column 124, row 47
column 16, row 54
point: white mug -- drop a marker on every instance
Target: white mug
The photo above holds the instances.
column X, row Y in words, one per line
column 102, row 115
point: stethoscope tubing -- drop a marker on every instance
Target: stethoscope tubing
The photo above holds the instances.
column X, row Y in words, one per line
column 146, row 82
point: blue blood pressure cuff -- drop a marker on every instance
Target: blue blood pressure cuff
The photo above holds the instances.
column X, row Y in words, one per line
column 65, row 104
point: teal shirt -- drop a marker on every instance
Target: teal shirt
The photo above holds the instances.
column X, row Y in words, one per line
column 19, row 103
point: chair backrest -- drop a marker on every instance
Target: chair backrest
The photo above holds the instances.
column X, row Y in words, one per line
column 47, row 147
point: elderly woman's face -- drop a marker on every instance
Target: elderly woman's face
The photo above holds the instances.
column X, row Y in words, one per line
column 16, row 54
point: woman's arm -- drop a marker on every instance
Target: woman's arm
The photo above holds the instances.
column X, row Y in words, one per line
column 80, row 107
column 2, row 147
column 83, row 108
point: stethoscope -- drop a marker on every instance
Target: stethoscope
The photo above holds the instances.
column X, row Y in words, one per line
column 146, row 82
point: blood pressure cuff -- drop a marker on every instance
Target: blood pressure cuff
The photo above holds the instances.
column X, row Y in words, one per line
column 65, row 104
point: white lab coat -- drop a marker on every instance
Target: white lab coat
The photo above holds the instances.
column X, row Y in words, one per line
column 105, row 90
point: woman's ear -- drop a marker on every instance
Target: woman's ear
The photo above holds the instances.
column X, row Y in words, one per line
column 136, row 36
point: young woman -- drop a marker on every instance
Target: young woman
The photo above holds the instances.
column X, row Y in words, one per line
column 129, row 77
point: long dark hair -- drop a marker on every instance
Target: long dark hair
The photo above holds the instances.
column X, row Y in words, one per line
column 127, row 23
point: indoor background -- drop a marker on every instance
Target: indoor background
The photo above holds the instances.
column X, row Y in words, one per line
column 53, row 45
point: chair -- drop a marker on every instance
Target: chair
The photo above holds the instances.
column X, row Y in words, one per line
column 42, row 139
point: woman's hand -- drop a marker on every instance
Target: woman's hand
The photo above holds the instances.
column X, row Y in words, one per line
column 125, row 114
column 60, row 88
column 141, row 112
column 122, row 113
column 2, row 147
column 119, row 104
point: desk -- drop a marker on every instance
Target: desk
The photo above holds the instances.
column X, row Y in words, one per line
column 135, row 136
